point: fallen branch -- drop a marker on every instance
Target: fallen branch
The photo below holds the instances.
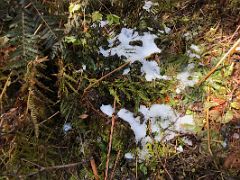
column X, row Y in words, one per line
column 219, row 63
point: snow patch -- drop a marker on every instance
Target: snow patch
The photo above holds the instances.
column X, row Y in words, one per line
column 151, row 70
column 167, row 30
column 194, row 51
column 147, row 5
column 103, row 23
column 107, row 109
column 67, row 127
column 129, row 156
column 132, row 53
column 195, row 48
column 187, row 78
column 126, row 71
column 163, row 121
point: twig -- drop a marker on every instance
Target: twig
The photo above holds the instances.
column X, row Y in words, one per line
column 53, row 167
column 115, row 165
column 105, row 76
column 219, row 63
column 56, row 113
column 94, row 168
column 208, row 125
column 110, row 140
column 7, row 83
column 235, row 32
column 165, row 169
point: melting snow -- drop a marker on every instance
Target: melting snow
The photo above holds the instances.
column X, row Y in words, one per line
column 194, row 51
column 107, row 109
column 126, row 71
column 163, row 121
column 67, row 127
column 135, row 52
column 195, row 48
column 151, row 70
column 167, row 30
column 147, row 5
column 129, row 156
column 179, row 148
column 103, row 23
column 187, row 78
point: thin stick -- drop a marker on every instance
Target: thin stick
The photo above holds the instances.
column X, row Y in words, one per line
column 7, row 83
column 94, row 168
column 54, row 167
column 105, row 76
column 208, row 125
column 110, row 140
column 235, row 32
column 56, row 113
column 115, row 165
column 219, row 63
column 165, row 169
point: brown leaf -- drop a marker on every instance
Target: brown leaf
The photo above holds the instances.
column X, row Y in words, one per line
column 83, row 116
column 232, row 161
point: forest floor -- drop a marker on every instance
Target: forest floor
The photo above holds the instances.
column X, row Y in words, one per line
column 135, row 90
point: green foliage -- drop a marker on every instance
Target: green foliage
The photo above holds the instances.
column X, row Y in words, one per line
column 137, row 92
column 96, row 16
column 113, row 19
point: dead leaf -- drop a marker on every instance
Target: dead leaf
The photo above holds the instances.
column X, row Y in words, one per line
column 83, row 116
column 232, row 161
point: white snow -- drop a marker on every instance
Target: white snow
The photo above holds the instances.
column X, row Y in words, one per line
column 151, row 70
column 195, row 48
column 67, row 127
column 194, row 51
column 178, row 90
column 138, row 129
column 134, row 53
column 163, row 121
column 126, row 71
column 147, row 5
column 167, row 30
column 179, row 148
column 103, row 23
column 107, row 109
column 129, row 156
column 192, row 54
column 187, row 141
column 187, row 78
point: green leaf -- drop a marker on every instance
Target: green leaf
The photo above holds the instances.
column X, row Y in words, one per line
column 113, row 19
column 143, row 168
column 114, row 94
column 73, row 40
column 235, row 105
column 229, row 70
column 208, row 105
column 74, row 7
column 228, row 117
column 96, row 16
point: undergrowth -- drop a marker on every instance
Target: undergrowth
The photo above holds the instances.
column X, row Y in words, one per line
column 51, row 74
